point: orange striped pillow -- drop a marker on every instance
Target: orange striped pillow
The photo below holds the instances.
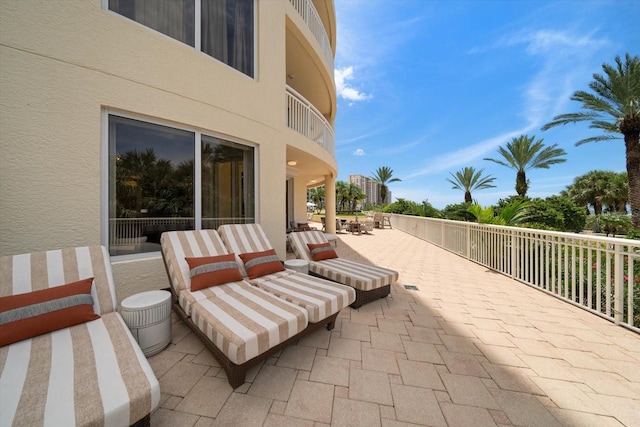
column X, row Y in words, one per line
column 213, row 270
column 320, row 251
column 261, row 263
column 35, row 313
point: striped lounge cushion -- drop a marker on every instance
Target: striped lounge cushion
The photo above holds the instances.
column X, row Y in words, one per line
column 92, row 373
column 364, row 277
column 81, row 375
column 244, row 321
column 319, row 297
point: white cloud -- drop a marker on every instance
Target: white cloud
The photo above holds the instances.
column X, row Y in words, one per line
column 345, row 90
column 359, row 152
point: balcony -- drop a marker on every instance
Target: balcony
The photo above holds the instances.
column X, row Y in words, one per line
column 469, row 346
column 305, row 119
column 310, row 16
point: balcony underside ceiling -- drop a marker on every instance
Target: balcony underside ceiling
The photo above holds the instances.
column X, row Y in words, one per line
column 305, row 75
column 310, row 166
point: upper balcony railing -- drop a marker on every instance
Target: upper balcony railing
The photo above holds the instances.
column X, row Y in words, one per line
column 597, row 273
column 304, row 118
column 307, row 10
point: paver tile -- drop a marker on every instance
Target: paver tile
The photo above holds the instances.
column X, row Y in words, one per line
column 386, row 341
column 370, row 386
column 463, row 416
column 297, row 357
column 330, row 370
column 206, row 398
column 375, row 359
column 524, row 409
column 422, row 352
column 417, row 405
column 468, row 390
column 354, row 413
column 311, row 401
column 273, row 382
column 345, row 349
column 420, row 374
column 243, row 410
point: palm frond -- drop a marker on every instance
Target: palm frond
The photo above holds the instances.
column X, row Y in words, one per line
column 598, row 139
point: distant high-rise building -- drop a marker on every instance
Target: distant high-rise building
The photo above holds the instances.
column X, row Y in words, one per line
column 370, row 187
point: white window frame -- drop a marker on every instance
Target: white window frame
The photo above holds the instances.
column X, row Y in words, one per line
column 197, row 203
column 198, row 38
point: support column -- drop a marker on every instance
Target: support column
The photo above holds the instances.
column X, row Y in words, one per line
column 330, row 203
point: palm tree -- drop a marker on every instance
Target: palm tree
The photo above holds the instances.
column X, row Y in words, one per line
column 590, row 189
column 354, row 194
column 317, row 197
column 514, row 213
column 341, row 194
column 383, row 176
column 614, row 108
column 524, row 153
column 468, row 180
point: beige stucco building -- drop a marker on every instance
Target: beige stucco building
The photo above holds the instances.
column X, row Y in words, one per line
column 120, row 120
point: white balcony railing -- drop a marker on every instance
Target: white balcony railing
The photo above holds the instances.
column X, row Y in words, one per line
column 307, row 10
column 599, row 274
column 137, row 235
column 304, row 118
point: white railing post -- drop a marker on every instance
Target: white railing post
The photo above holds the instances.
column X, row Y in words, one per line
column 618, row 288
column 513, row 254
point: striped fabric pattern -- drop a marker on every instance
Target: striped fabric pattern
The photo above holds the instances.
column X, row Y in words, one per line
column 364, row 277
column 177, row 245
column 93, row 373
column 31, row 272
column 245, row 321
column 244, row 238
column 319, row 297
column 240, row 319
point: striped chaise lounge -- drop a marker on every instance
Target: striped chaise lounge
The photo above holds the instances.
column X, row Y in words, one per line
column 239, row 323
column 59, row 367
column 321, row 298
column 369, row 281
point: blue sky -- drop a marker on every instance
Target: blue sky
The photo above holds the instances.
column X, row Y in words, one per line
column 429, row 87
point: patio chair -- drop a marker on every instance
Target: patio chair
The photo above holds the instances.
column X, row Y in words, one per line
column 321, row 298
column 240, row 324
column 377, row 220
column 66, row 355
column 369, row 281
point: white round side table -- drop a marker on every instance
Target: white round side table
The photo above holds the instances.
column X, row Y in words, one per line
column 148, row 316
column 299, row 265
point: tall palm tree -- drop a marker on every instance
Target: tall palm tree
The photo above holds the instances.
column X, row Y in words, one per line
column 383, row 176
column 317, row 197
column 468, row 180
column 614, row 108
column 341, row 194
column 524, row 153
column 355, row 195
column 590, row 189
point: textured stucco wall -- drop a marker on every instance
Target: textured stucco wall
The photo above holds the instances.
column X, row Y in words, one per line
column 64, row 63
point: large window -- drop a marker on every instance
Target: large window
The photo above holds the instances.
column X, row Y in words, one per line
column 162, row 179
column 226, row 29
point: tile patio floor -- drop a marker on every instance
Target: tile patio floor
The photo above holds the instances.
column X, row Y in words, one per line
column 469, row 348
